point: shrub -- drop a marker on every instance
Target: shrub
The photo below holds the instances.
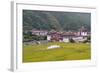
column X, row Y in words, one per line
column 71, row 40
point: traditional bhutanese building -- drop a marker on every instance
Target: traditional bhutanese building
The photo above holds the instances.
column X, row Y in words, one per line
column 80, row 35
column 39, row 32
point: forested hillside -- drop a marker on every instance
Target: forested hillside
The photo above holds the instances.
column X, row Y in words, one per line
column 49, row 20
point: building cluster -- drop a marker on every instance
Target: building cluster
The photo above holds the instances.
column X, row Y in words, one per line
column 63, row 36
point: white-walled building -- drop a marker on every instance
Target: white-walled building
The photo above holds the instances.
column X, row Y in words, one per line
column 39, row 32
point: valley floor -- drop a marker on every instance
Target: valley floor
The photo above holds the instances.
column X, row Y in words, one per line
column 67, row 51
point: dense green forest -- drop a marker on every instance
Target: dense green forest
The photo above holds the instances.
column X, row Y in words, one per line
column 49, row 20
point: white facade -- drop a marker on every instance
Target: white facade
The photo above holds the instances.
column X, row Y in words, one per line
column 84, row 33
column 43, row 33
column 79, row 39
column 48, row 37
column 65, row 39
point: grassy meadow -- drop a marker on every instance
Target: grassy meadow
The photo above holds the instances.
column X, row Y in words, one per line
column 67, row 51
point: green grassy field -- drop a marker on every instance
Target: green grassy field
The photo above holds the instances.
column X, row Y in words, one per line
column 67, row 51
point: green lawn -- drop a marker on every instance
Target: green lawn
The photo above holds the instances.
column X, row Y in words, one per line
column 68, row 51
